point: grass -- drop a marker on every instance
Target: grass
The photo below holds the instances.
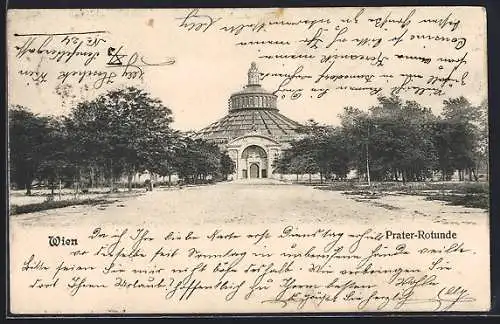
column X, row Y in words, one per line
column 472, row 201
column 365, row 194
column 467, row 194
column 36, row 207
column 459, row 187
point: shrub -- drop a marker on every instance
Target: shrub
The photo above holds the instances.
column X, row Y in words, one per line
column 52, row 204
column 472, row 201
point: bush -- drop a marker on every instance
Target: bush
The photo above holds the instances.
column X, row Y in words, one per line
column 52, row 204
column 477, row 188
column 472, row 201
column 412, row 187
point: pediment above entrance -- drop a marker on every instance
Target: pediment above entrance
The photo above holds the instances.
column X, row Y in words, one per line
column 253, row 139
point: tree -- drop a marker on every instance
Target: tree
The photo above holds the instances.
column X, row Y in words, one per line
column 304, row 156
column 463, row 121
column 227, row 165
column 56, row 164
column 482, row 143
column 400, row 140
column 124, row 131
column 393, row 139
column 460, row 110
column 27, row 135
column 185, row 160
column 335, row 154
column 162, row 161
column 322, row 149
column 281, row 164
column 198, row 159
column 354, row 124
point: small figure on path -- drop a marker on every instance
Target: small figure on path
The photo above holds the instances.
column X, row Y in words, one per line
column 148, row 184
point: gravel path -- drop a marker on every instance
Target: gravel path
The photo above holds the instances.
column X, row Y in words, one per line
column 257, row 202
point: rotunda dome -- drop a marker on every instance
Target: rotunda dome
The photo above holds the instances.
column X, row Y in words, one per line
column 253, row 96
column 251, row 110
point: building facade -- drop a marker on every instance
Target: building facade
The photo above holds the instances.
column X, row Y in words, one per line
column 253, row 132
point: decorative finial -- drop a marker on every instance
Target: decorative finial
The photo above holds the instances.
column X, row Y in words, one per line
column 253, row 75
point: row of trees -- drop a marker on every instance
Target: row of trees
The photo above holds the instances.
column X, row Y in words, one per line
column 119, row 134
column 124, row 132
column 394, row 141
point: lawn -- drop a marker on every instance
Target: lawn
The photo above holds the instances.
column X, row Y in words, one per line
column 51, row 204
column 42, row 199
column 467, row 194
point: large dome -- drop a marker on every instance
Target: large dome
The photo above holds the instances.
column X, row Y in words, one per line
column 252, row 110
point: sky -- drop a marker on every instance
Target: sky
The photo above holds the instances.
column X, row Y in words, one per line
column 209, row 66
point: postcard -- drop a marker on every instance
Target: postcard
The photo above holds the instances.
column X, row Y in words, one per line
column 244, row 160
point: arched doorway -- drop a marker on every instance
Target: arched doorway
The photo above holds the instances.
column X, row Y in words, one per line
column 254, row 170
column 254, row 160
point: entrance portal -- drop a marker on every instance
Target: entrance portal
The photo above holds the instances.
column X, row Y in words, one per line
column 254, row 170
column 254, row 162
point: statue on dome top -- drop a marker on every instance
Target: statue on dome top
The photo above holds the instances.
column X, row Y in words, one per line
column 253, row 75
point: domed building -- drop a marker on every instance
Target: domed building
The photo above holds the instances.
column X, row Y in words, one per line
column 253, row 132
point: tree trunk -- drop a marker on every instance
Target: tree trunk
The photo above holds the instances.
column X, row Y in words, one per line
column 28, row 189
column 473, row 172
column 309, row 178
column 111, row 176
column 92, row 180
column 169, row 179
column 75, row 185
column 129, row 181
